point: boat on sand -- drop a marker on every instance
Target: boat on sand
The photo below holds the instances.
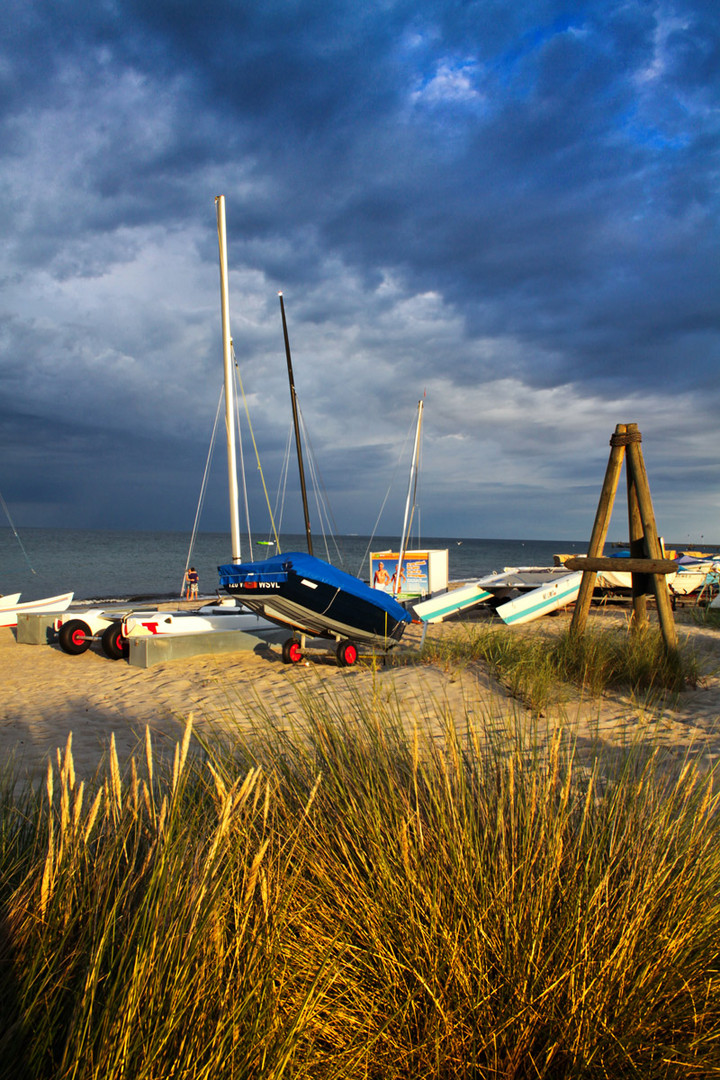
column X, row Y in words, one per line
column 9, row 615
column 307, row 595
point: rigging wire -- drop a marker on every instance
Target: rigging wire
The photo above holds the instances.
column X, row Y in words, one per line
column 282, row 483
column 325, row 515
column 203, row 488
column 16, row 534
column 242, row 459
column 400, row 457
column 257, row 454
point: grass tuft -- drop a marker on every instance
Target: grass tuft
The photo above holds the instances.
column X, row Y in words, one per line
column 539, row 670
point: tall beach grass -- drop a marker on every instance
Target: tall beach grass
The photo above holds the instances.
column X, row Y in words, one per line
column 353, row 899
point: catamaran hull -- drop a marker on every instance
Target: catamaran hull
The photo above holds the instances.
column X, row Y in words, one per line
column 158, row 623
column 541, row 601
column 682, row 584
column 437, row 608
column 289, row 591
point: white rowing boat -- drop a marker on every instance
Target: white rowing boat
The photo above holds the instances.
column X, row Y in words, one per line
column 9, row 616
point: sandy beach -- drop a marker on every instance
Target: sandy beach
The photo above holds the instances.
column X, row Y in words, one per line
column 47, row 694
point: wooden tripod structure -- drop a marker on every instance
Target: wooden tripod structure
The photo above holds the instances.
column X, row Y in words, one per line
column 646, row 563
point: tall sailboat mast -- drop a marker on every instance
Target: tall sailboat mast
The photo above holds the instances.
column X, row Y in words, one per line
column 298, row 444
column 229, row 384
column 410, row 500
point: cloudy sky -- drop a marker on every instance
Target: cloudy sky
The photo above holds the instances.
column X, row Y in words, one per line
column 508, row 206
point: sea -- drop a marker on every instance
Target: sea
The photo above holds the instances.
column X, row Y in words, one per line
column 109, row 566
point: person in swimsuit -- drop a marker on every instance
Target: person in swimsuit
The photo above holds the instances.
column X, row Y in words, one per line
column 381, row 578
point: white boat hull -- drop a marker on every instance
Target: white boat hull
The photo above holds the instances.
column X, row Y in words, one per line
column 9, row 601
column 437, row 608
column 96, row 619
column 541, row 601
column 61, row 602
column 205, row 621
column 683, row 583
column 511, row 584
column 93, row 622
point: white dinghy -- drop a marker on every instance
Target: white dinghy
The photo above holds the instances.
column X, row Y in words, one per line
column 9, row 616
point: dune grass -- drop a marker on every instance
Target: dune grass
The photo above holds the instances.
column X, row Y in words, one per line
column 538, row 669
column 705, row 616
column 353, row 900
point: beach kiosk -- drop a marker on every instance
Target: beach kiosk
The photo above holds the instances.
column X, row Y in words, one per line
column 421, row 572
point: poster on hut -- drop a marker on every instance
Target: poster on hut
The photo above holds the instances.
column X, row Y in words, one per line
column 414, row 573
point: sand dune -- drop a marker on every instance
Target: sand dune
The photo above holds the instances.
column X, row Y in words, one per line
column 48, row 694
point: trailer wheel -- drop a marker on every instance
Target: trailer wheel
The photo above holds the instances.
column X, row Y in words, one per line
column 114, row 643
column 291, row 651
column 347, row 653
column 75, row 637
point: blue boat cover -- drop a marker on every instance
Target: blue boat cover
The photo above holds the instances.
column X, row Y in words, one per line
column 277, row 568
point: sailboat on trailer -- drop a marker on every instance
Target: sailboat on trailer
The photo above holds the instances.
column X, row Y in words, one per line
column 309, row 596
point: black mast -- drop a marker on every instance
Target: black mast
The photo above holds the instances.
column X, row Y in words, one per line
column 293, row 402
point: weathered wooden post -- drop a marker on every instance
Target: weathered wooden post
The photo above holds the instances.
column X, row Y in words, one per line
column 636, row 465
column 646, row 563
column 600, row 529
column 640, row 584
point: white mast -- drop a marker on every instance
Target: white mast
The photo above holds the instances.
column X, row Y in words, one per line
column 412, row 482
column 229, row 384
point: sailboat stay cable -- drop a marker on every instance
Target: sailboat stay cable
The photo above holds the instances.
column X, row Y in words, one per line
column 203, row 487
column 400, row 457
column 410, row 500
column 242, row 458
column 16, row 534
column 322, row 499
column 255, row 448
column 279, row 508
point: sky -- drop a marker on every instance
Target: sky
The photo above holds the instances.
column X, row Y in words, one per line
column 507, row 209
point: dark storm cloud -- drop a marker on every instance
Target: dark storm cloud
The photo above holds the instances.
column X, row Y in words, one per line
column 521, row 197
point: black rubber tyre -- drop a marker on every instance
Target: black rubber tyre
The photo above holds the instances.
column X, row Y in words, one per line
column 75, row 637
column 113, row 643
column 346, row 653
column 291, row 651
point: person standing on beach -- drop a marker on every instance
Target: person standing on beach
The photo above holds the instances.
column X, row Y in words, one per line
column 191, row 583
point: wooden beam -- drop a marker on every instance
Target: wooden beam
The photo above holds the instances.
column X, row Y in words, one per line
column 622, row 565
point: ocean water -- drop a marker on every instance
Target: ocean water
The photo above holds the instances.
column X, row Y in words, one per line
column 98, row 565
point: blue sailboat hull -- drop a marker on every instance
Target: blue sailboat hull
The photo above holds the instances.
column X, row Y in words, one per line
column 312, row 597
